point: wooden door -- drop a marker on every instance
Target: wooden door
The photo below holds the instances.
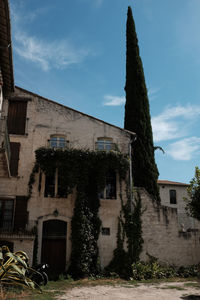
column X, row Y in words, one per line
column 54, row 254
column 54, row 246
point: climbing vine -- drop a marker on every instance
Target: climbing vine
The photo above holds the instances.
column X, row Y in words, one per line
column 129, row 229
column 133, row 227
column 86, row 171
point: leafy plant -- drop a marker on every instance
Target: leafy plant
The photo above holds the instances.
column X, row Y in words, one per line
column 14, row 269
column 150, row 270
column 129, row 229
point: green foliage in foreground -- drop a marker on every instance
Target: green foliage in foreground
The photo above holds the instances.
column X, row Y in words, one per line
column 14, row 269
column 153, row 270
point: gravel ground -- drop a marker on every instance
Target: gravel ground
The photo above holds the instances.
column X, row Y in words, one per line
column 162, row 291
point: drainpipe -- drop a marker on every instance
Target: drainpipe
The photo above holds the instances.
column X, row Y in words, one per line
column 132, row 140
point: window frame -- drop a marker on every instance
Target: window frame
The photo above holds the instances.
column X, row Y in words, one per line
column 104, row 144
column 105, row 231
column 10, row 222
column 60, row 141
column 55, row 186
column 172, row 196
column 108, row 180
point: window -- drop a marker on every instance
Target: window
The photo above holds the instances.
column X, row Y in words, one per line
column 105, row 144
column 13, row 213
column 49, row 186
column 14, row 158
column 172, row 194
column 6, row 213
column 109, row 191
column 54, row 187
column 21, row 213
column 17, row 116
column 58, row 142
column 105, row 231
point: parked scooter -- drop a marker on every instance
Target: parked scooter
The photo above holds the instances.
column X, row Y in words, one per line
column 40, row 276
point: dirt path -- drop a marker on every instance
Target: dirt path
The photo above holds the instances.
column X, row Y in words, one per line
column 162, row 291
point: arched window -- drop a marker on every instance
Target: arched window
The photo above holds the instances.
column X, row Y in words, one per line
column 105, row 144
column 58, row 141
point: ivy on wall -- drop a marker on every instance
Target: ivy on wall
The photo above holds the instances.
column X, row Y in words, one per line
column 133, row 227
column 129, row 230
column 86, row 171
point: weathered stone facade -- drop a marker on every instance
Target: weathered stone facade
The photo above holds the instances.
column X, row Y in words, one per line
column 44, row 119
column 162, row 233
column 163, row 238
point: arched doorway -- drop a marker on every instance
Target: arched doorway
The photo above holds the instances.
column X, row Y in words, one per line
column 54, row 235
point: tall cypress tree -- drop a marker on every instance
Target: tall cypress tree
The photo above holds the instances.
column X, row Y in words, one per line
column 137, row 115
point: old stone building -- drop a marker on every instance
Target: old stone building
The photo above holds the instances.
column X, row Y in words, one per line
column 28, row 122
column 173, row 194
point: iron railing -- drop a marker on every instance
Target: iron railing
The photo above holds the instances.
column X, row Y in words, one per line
column 7, row 227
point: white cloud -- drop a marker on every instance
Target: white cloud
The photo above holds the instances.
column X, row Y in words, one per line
column 185, row 149
column 174, row 122
column 113, row 100
column 56, row 54
column 47, row 54
column 153, row 93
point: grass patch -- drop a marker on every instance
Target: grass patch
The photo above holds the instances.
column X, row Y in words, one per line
column 193, row 284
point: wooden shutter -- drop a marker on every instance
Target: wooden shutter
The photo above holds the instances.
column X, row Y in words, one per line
column 17, row 117
column 14, row 158
column 21, row 214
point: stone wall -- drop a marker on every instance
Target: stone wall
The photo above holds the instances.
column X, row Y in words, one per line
column 184, row 221
column 162, row 237
column 21, row 243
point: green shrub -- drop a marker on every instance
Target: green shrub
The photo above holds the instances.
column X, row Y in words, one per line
column 191, row 271
column 152, row 269
column 149, row 270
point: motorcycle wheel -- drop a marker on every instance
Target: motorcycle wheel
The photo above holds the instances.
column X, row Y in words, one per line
column 45, row 278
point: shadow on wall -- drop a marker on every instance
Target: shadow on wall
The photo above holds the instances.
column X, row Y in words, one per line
column 191, row 297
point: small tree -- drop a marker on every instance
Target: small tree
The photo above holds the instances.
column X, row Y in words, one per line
column 193, row 205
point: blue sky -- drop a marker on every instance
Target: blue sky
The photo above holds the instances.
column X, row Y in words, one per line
column 73, row 52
